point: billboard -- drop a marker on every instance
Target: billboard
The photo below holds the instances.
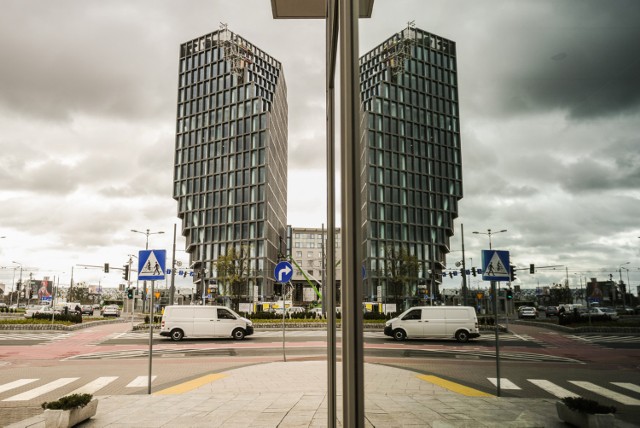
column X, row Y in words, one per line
column 600, row 291
column 45, row 289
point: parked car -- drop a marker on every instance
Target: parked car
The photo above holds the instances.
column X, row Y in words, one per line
column 3, row 305
column 597, row 314
column 527, row 312
column 41, row 309
column 613, row 314
column 624, row 310
column 552, row 311
column 111, row 311
column 86, row 310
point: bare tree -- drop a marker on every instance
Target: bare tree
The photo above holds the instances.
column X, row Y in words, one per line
column 400, row 269
column 233, row 271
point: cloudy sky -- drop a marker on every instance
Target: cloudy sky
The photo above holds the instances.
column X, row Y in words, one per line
column 549, row 105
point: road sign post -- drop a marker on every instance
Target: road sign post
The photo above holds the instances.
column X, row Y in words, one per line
column 151, row 266
column 283, row 273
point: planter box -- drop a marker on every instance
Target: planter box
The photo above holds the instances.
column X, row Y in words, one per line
column 69, row 418
column 584, row 420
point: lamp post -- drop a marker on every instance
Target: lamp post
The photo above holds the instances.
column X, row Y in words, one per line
column 13, row 284
column 622, row 289
column 489, row 232
column 147, row 233
column 146, row 247
column 21, row 284
column 629, row 286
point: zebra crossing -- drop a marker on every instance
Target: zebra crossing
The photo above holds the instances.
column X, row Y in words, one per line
column 561, row 392
column 45, row 336
column 625, row 393
column 58, row 385
column 608, row 338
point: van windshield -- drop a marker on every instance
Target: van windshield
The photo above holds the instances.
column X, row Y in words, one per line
column 225, row 314
column 415, row 314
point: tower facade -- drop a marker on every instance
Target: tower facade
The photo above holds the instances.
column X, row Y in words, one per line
column 412, row 178
column 230, row 176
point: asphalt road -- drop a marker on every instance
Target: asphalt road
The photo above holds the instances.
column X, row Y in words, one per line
column 534, row 363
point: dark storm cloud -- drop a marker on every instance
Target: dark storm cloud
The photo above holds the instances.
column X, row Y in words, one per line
column 577, row 57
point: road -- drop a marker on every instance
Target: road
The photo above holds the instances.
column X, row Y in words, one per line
column 42, row 366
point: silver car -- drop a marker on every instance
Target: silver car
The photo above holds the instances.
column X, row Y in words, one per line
column 527, row 312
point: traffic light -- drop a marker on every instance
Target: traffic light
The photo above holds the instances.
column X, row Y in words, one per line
column 512, row 273
column 509, row 293
column 130, row 293
column 106, row 268
column 125, row 274
column 532, row 268
column 473, row 271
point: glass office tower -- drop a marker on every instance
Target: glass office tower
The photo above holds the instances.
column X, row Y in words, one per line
column 230, row 177
column 412, row 177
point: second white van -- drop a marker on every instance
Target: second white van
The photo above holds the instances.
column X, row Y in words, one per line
column 180, row 321
column 460, row 322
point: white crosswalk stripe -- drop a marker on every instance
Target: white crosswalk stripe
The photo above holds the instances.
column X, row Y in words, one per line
column 629, row 386
column 15, row 384
column 552, row 388
column 615, row 396
column 504, row 383
column 36, row 392
column 140, row 381
column 95, row 385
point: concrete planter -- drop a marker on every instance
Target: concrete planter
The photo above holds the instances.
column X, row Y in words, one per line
column 69, row 418
column 584, row 420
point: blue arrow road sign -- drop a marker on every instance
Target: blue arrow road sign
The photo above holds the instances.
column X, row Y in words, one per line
column 495, row 265
column 151, row 264
column 283, row 272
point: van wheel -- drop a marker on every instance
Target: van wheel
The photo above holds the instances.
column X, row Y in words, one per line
column 462, row 336
column 399, row 335
column 177, row 335
column 238, row 334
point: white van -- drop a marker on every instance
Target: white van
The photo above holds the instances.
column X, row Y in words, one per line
column 460, row 322
column 180, row 321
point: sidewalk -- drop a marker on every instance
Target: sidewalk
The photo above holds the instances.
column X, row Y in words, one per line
column 293, row 394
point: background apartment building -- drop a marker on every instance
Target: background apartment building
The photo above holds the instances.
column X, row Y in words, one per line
column 307, row 251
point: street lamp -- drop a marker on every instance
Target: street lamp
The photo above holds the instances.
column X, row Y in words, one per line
column 20, row 281
column 622, row 289
column 489, row 233
column 147, row 233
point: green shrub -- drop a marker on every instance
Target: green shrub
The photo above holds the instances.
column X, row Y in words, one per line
column 71, row 316
column 156, row 319
column 584, row 405
column 69, row 402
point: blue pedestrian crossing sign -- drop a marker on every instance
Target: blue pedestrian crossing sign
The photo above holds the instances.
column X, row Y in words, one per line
column 283, row 272
column 151, row 264
column 495, row 265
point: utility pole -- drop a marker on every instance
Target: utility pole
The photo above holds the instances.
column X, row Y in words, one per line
column 464, row 269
